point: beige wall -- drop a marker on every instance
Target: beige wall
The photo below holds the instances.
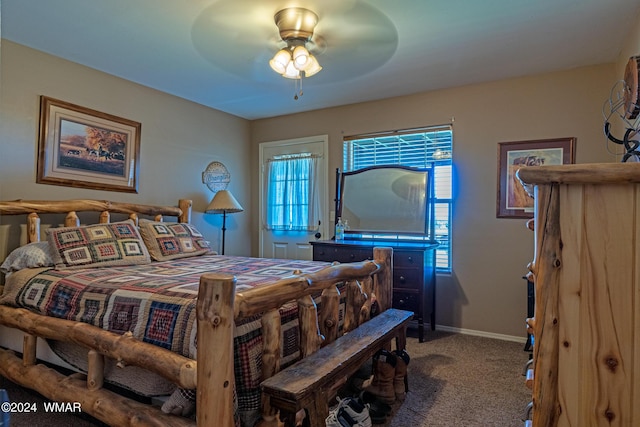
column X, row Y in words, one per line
column 486, row 291
column 178, row 139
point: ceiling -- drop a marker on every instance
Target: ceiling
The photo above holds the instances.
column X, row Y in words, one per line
column 216, row 52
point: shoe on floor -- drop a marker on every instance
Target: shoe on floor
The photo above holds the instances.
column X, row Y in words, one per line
column 349, row 413
column 378, row 410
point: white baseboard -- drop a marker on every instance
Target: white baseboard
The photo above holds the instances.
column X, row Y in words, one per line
column 480, row 333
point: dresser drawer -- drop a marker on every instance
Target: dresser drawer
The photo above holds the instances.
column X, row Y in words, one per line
column 407, row 259
column 340, row 254
column 404, row 277
column 406, row 301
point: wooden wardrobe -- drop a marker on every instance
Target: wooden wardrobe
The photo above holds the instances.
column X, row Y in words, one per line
column 586, row 270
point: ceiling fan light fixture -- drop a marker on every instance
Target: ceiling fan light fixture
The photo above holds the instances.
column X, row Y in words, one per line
column 296, row 26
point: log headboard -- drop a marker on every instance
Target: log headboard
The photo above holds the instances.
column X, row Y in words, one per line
column 32, row 208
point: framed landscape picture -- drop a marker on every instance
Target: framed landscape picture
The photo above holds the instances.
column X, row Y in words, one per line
column 84, row 148
column 512, row 199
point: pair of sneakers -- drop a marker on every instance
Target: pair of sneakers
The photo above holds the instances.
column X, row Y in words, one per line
column 350, row 412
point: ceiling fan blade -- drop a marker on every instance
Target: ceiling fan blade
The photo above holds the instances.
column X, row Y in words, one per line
column 240, row 36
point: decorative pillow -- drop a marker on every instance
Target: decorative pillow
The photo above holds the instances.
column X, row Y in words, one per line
column 171, row 240
column 99, row 245
column 31, row 255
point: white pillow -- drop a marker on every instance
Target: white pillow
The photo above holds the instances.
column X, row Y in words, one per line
column 31, row 255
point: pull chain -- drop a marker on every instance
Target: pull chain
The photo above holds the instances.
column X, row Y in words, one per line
column 295, row 96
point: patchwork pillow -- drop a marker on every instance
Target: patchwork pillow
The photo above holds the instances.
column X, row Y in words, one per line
column 171, row 240
column 31, row 255
column 99, row 245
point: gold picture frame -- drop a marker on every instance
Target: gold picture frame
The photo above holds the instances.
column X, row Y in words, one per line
column 84, row 148
column 512, row 199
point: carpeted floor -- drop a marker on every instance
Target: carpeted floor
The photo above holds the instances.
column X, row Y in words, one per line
column 463, row 380
column 454, row 380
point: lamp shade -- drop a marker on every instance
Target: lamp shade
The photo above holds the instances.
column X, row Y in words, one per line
column 224, row 202
column 312, row 67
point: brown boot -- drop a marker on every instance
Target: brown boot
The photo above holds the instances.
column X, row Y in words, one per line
column 400, row 378
column 384, row 371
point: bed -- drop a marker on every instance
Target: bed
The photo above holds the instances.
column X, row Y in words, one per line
column 196, row 320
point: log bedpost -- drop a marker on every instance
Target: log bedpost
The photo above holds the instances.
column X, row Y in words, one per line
column 185, row 206
column 215, row 388
column 546, row 271
column 382, row 282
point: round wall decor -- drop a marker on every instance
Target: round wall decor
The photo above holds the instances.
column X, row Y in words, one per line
column 216, row 176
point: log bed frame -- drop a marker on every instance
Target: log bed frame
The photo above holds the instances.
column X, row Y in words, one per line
column 218, row 307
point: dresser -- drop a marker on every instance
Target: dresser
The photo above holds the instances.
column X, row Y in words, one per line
column 414, row 271
column 586, row 274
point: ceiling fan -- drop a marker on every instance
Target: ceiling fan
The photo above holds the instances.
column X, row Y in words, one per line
column 350, row 38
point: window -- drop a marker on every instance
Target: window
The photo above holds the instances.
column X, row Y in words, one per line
column 292, row 195
column 424, row 147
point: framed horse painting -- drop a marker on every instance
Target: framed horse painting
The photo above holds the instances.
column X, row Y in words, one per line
column 84, row 148
column 513, row 201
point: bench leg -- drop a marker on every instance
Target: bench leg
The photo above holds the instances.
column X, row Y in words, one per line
column 401, row 339
column 288, row 419
column 319, row 411
column 401, row 344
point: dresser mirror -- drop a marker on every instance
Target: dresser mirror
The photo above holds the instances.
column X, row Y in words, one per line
column 385, row 201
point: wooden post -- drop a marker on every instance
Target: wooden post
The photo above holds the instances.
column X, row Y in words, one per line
column 185, row 206
column 29, row 343
column 271, row 329
column 105, row 217
column 134, row 217
column 383, row 281
column 365, row 310
column 216, row 295
column 33, row 228
column 354, row 302
column 329, row 314
column 310, row 337
column 72, row 220
column 546, row 268
column 95, row 371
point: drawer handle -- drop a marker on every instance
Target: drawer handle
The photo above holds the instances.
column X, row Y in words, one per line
column 402, row 279
column 352, row 256
column 410, row 259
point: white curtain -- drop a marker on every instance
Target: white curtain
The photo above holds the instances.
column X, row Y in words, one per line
column 292, row 199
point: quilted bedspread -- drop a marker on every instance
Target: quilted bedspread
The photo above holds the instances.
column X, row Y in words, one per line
column 157, row 303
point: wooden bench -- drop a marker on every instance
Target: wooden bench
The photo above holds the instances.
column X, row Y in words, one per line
column 313, row 381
